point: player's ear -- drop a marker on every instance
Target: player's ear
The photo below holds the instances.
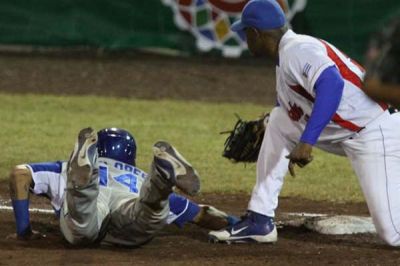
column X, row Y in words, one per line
column 252, row 35
column 253, row 32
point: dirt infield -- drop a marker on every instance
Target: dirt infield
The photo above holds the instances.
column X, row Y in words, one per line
column 296, row 246
column 153, row 77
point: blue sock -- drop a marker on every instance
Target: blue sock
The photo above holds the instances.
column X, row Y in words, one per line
column 232, row 220
column 21, row 214
column 260, row 218
column 183, row 208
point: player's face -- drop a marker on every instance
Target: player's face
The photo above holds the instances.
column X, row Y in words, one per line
column 260, row 43
column 254, row 41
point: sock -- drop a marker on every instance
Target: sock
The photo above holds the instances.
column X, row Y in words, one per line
column 260, row 218
column 21, row 214
column 183, row 208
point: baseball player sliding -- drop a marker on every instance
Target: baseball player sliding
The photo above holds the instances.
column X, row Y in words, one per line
column 320, row 103
column 100, row 194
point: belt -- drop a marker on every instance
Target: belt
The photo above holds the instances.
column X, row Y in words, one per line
column 377, row 120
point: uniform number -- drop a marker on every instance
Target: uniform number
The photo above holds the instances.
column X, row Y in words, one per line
column 128, row 180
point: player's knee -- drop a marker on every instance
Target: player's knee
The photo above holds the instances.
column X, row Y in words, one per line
column 76, row 235
column 19, row 181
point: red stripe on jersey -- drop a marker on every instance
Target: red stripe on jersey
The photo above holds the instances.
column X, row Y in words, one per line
column 336, row 118
column 344, row 70
column 384, row 106
column 345, row 123
column 353, row 61
column 300, row 90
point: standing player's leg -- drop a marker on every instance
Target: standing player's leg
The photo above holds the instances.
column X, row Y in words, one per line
column 280, row 137
column 136, row 221
column 375, row 157
column 79, row 221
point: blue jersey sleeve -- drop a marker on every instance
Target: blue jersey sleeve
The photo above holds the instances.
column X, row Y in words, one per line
column 328, row 89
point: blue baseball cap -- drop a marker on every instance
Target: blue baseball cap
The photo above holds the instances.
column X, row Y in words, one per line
column 262, row 15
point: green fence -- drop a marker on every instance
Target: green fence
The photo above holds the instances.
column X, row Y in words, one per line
column 110, row 24
column 346, row 23
column 125, row 24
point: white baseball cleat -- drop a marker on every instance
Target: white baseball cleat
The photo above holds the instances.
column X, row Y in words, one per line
column 80, row 166
column 172, row 166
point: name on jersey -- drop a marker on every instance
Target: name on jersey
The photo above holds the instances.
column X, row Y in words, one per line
column 129, row 168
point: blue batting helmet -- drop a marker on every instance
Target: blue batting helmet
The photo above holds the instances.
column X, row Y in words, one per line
column 117, row 144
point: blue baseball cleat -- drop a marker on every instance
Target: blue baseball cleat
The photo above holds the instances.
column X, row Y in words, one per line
column 173, row 167
column 253, row 228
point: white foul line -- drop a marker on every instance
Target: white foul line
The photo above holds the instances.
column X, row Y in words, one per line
column 49, row 211
column 33, row 210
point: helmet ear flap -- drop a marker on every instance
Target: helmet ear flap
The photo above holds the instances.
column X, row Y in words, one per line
column 117, row 144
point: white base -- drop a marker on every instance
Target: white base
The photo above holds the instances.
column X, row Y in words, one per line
column 330, row 225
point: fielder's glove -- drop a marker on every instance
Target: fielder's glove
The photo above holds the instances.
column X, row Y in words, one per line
column 244, row 141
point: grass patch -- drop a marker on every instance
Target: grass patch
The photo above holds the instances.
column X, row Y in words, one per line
column 43, row 128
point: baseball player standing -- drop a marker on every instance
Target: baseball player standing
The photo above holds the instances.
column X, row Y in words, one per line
column 320, row 103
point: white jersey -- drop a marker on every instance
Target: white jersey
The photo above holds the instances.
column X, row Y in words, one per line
column 302, row 59
column 120, row 176
column 360, row 129
column 119, row 183
column 50, row 179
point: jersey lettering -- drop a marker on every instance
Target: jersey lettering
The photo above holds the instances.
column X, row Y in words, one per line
column 129, row 168
column 103, row 175
column 119, row 166
column 128, row 180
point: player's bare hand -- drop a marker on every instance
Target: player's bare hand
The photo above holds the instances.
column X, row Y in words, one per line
column 32, row 235
column 300, row 156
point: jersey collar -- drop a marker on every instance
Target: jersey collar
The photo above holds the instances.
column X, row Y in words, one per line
column 286, row 38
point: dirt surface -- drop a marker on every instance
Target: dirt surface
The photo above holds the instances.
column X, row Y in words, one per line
column 154, row 77
column 141, row 76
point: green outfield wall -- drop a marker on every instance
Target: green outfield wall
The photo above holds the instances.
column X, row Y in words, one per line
column 190, row 26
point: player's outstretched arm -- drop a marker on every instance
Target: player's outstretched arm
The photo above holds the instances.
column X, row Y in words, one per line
column 20, row 180
column 212, row 218
column 185, row 211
